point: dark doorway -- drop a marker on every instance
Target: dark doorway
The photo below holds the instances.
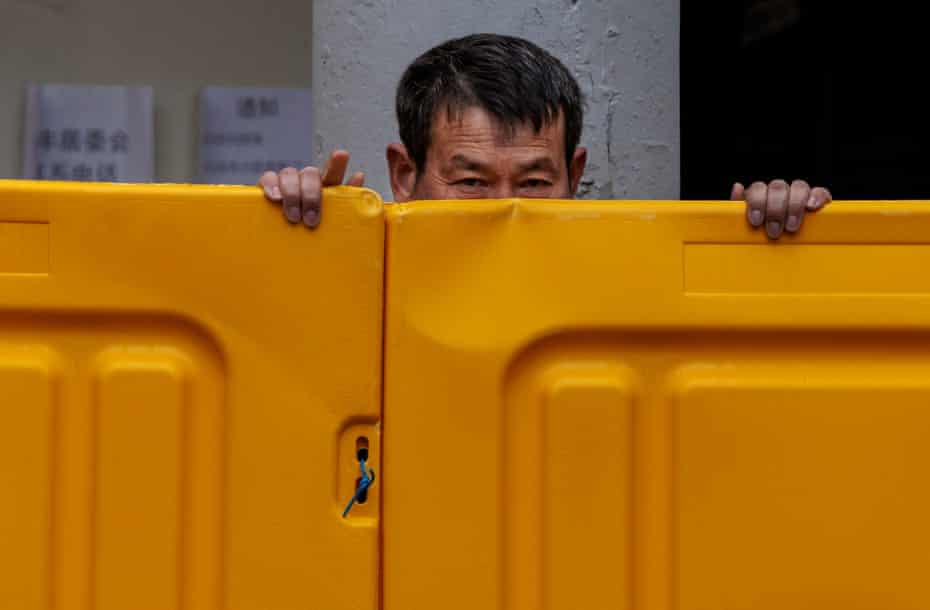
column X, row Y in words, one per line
column 832, row 92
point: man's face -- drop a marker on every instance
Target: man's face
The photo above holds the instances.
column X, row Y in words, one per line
column 472, row 156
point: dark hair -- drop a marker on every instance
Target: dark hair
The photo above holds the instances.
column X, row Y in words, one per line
column 512, row 79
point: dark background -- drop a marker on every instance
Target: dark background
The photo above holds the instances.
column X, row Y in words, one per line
column 826, row 91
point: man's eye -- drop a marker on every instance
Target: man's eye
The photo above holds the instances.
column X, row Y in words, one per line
column 472, row 182
column 535, row 183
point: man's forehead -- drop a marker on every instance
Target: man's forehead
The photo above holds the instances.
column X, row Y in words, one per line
column 476, row 122
column 533, row 161
column 475, row 133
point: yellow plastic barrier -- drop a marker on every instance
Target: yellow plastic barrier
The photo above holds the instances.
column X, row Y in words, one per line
column 589, row 404
column 183, row 381
column 634, row 405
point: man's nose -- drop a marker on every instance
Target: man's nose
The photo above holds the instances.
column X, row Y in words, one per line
column 502, row 191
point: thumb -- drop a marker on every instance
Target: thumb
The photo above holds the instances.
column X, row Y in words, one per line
column 335, row 168
column 736, row 193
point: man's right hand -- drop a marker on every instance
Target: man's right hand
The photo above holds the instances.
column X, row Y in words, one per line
column 300, row 192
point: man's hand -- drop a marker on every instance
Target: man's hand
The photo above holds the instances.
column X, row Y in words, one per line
column 778, row 206
column 300, row 192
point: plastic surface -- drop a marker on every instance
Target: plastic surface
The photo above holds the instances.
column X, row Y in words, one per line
column 183, row 379
column 646, row 406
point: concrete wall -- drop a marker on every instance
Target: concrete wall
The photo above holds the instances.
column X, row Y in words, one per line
column 175, row 45
column 623, row 52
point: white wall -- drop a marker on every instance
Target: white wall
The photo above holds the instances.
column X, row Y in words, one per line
column 175, row 45
column 623, row 52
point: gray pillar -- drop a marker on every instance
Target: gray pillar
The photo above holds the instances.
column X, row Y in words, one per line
column 623, row 52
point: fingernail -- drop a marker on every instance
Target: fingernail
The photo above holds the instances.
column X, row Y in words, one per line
column 292, row 213
column 276, row 194
column 311, row 218
column 755, row 218
column 773, row 228
column 812, row 203
column 792, row 223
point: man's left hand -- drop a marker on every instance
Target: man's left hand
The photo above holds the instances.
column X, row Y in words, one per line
column 778, row 206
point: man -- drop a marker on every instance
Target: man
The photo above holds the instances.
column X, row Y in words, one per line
column 490, row 116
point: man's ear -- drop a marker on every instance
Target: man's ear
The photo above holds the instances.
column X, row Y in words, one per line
column 576, row 168
column 403, row 172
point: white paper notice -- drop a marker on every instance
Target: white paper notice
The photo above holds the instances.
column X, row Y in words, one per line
column 247, row 131
column 89, row 133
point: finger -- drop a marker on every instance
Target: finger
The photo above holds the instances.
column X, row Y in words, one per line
column 776, row 208
column 269, row 183
column 311, row 196
column 335, row 170
column 798, row 194
column 736, row 193
column 357, row 179
column 755, row 203
column 819, row 197
column 289, row 182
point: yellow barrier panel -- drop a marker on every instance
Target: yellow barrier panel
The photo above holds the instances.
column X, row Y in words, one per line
column 645, row 405
column 183, row 380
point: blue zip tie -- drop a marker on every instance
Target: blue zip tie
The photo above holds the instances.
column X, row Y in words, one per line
column 368, row 478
